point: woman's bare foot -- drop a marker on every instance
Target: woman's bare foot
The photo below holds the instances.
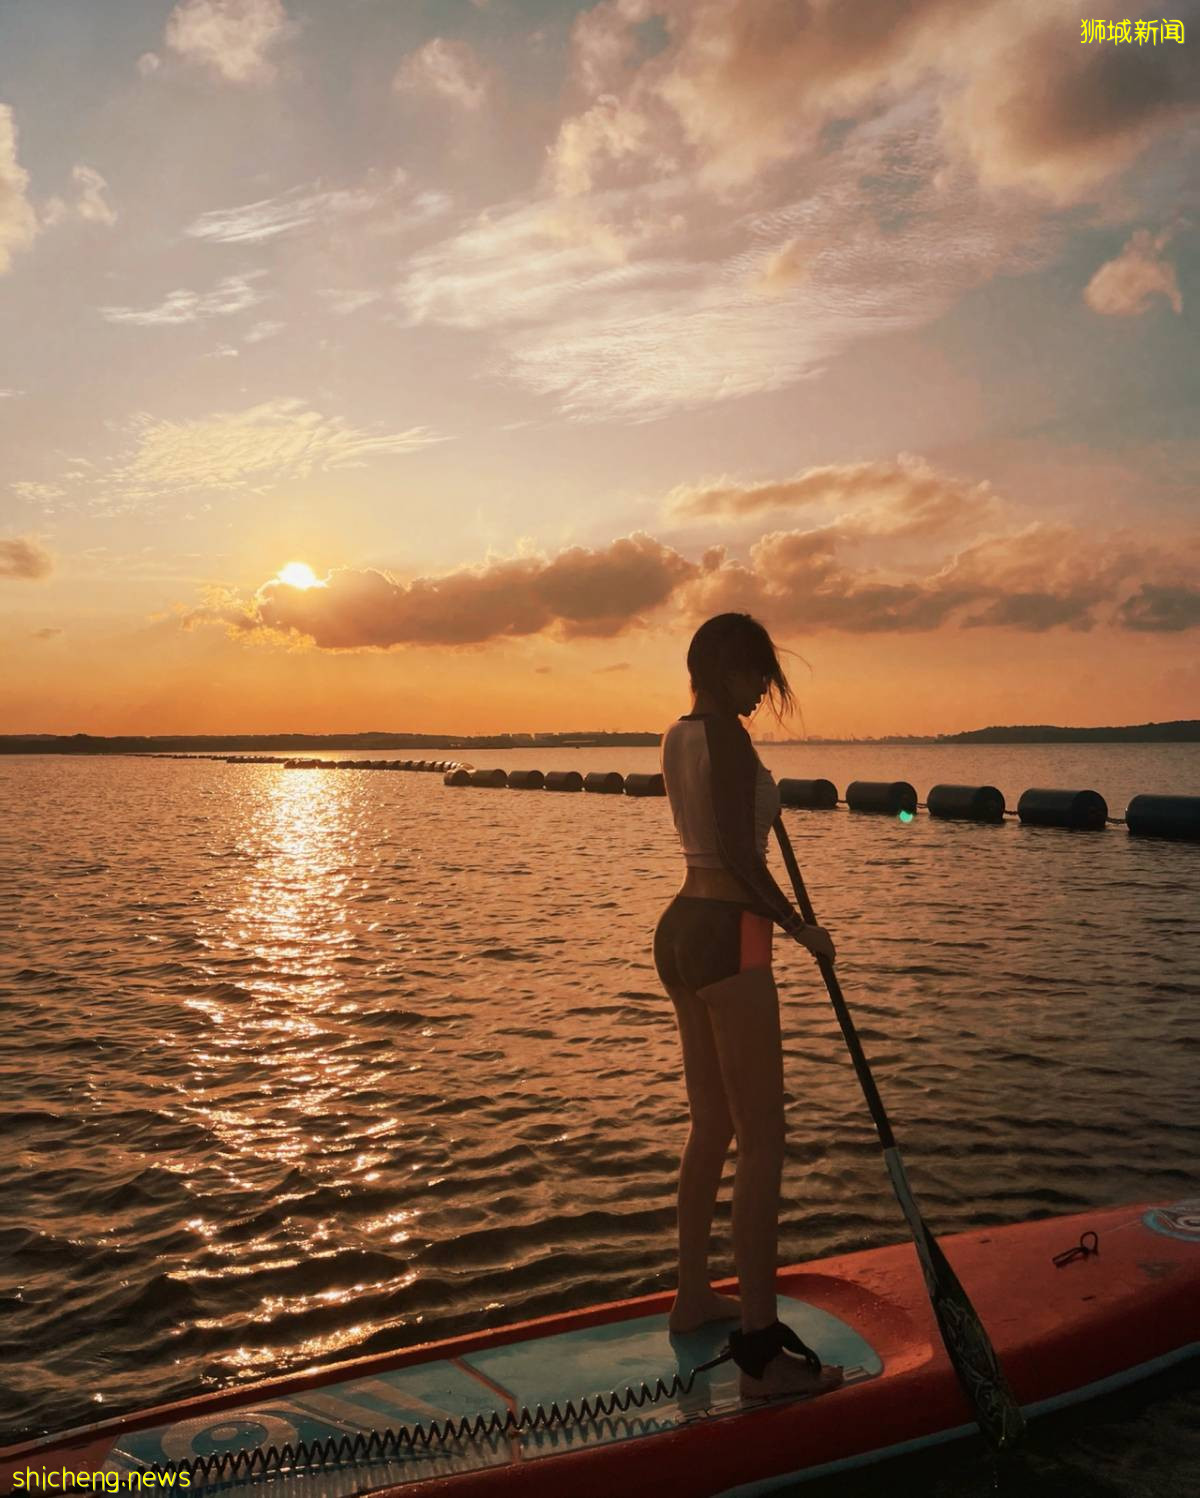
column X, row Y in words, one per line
column 786, row 1374
column 687, row 1315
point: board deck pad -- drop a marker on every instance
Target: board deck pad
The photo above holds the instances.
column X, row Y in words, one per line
column 591, row 1361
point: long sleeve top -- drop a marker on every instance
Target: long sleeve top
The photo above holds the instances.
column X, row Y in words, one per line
column 723, row 801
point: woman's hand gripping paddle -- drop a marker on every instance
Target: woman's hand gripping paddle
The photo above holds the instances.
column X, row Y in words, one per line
column 971, row 1352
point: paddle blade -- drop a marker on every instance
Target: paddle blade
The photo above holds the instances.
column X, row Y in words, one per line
column 967, row 1343
column 970, row 1349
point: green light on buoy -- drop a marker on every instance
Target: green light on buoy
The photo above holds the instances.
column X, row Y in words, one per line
column 906, row 816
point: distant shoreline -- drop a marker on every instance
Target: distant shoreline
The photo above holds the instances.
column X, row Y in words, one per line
column 1179, row 731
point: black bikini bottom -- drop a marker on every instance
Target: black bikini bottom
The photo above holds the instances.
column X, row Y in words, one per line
column 700, row 941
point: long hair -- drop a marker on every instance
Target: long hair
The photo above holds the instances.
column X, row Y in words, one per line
column 729, row 642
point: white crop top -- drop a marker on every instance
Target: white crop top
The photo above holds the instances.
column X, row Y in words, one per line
column 687, row 775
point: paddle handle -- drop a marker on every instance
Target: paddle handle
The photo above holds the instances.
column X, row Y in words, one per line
column 853, row 1044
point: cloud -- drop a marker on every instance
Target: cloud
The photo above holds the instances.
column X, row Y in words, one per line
column 905, row 498
column 745, row 85
column 249, row 450
column 148, row 62
column 91, row 205
column 1046, row 113
column 18, row 221
column 233, row 294
column 446, row 68
column 345, row 302
column 1162, row 609
column 1125, row 286
column 34, row 493
column 604, row 43
column 264, row 330
column 268, row 218
column 1029, row 580
column 608, row 133
column 230, row 36
column 790, row 265
column 1033, row 580
column 578, row 593
column 634, row 303
column 10, row 393
column 22, row 558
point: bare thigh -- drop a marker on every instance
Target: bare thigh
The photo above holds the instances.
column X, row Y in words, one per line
column 707, row 1102
column 744, row 1014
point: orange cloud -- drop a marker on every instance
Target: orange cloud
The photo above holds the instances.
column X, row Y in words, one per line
column 1124, row 287
column 904, row 498
column 578, row 593
column 1032, row 580
column 22, row 558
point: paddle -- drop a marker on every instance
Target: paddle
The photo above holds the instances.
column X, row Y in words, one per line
column 974, row 1358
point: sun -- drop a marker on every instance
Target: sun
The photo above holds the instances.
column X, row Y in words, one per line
column 299, row 575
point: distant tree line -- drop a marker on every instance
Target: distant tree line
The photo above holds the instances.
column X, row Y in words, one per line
column 1184, row 730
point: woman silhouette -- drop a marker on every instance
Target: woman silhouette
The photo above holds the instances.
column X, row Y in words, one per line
column 712, row 949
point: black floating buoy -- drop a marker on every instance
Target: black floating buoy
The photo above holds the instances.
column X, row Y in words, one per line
column 1083, row 811
column 814, row 795
column 1164, row 816
column 564, row 780
column 644, row 785
column 457, row 777
column 526, row 780
column 487, row 777
column 890, row 797
column 970, row 803
column 604, row 782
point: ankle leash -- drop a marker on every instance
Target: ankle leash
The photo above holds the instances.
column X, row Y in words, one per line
column 752, row 1351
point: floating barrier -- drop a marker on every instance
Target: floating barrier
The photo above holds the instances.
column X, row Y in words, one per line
column 604, row 782
column 889, row 797
column 813, row 795
column 564, row 780
column 968, row 803
column 1175, row 817
column 487, row 777
column 1082, row 811
column 1164, row 816
column 644, row 785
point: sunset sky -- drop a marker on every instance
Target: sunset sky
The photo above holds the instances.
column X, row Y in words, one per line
column 541, row 331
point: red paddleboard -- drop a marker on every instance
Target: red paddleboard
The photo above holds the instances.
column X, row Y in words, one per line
column 601, row 1401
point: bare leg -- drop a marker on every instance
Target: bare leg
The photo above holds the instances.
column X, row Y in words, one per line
column 745, row 1016
column 700, row 1167
column 700, row 1170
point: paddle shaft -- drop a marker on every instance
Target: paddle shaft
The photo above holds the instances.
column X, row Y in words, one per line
column 974, row 1359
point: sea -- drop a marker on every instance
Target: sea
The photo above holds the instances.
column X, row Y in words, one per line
column 297, row 1066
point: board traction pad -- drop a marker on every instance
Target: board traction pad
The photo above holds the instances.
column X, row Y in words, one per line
column 567, row 1366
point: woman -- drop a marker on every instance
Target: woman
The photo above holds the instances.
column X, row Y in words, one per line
column 712, row 949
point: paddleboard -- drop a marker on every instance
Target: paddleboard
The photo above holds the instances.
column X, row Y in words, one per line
column 603, row 1400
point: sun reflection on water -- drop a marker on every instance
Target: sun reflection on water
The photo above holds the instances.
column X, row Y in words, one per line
column 271, row 1075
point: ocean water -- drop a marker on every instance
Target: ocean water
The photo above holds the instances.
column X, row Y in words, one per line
column 297, row 1066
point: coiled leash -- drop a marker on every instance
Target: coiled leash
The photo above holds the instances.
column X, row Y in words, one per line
column 752, row 1351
